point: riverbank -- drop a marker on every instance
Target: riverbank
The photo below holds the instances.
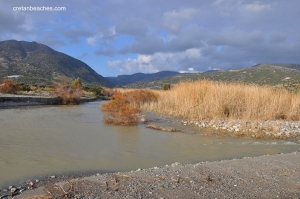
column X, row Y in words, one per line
column 277, row 129
column 239, row 109
column 11, row 100
column 273, row 129
column 268, row 176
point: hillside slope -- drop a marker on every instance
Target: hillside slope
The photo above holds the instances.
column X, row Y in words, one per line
column 40, row 64
column 122, row 80
column 259, row 74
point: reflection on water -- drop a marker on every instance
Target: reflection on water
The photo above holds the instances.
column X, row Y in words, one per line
column 39, row 141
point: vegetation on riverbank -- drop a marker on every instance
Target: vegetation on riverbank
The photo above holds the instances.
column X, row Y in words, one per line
column 68, row 93
column 124, row 107
column 8, row 86
column 206, row 99
column 241, row 109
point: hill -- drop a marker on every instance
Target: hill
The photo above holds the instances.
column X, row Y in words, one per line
column 40, row 64
column 271, row 74
column 122, row 80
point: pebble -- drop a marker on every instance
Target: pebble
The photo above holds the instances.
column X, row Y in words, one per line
column 21, row 190
column 175, row 164
column 52, row 177
column 12, row 190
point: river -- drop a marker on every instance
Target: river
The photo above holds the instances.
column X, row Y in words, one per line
column 38, row 141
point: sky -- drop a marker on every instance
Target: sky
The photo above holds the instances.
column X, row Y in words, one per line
column 117, row 37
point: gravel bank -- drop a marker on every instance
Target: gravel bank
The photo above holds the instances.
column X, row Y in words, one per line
column 278, row 129
column 269, row 176
column 271, row 129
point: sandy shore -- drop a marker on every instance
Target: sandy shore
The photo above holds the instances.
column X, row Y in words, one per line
column 269, row 176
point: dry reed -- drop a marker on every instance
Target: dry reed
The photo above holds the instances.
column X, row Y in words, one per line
column 206, row 99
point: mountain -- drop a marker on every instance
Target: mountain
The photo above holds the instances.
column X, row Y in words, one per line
column 122, row 80
column 271, row 74
column 40, row 64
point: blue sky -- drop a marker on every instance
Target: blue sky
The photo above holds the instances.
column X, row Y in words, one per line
column 128, row 36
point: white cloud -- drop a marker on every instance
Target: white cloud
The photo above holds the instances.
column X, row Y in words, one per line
column 112, row 31
column 173, row 20
column 256, row 7
column 190, row 70
column 157, row 62
column 92, row 41
column 163, row 35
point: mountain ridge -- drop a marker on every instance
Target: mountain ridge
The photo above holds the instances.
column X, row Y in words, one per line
column 261, row 74
column 122, row 80
column 41, row 64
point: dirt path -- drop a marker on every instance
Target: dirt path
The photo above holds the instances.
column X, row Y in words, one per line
column 269, row 176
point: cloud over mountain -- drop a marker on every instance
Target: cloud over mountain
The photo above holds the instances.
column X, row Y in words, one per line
column 118, row 35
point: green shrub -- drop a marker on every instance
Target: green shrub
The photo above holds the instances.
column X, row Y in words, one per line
column 292, row 86
column 96, row 90
column 24, row 87
column 77, row 83
column 166, row 87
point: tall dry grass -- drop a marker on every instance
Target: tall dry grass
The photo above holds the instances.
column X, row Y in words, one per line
column 206, row 99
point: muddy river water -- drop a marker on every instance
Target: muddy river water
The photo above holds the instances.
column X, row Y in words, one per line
column 38, row 141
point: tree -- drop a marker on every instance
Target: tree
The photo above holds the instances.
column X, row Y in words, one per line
column 68, row 93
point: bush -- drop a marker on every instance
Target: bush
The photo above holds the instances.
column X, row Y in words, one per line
column 124, row 108
column 9, row 86
column 96, row 90
column 127, row 116
column 292, row 86
column 68, row 93
column 166, row 87
column 24, row 87
column 116, row 102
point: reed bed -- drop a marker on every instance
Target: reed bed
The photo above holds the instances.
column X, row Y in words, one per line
column 208, row 100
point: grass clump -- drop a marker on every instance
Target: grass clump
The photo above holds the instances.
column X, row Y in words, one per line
column 124, row 107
